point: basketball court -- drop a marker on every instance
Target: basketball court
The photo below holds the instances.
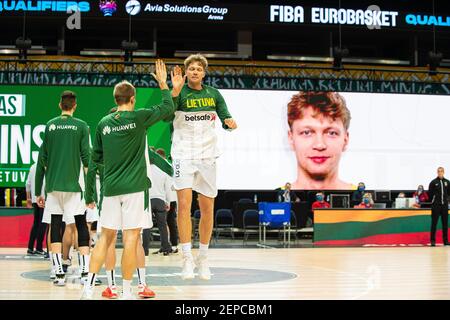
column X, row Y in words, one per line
column 260, row 274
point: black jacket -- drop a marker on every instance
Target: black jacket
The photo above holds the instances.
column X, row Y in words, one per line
column 357, row 196
column 438, row 191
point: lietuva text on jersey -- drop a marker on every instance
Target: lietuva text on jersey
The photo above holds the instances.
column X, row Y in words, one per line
column 194, row 135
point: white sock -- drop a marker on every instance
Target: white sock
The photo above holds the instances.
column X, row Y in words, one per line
column 90, row 283
column 84, row 268
column 141, row 276
column 57, row 262
column 50, row 254
column 94, row 238
column 111, row 278
column 186, row 248
column 126, row 286
column 203, row 249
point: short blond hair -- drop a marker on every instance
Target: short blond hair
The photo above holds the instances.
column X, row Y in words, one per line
column 196, row 58
column 123, row 91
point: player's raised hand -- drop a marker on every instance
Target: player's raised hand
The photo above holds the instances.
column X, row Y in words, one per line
column 178, row 80
column 230, row 123
column 160, row 74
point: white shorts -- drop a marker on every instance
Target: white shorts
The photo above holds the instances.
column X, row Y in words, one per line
column 67, row 204
column 92, row 215
column 198, row 175
column 147, row 224
column 148, row 221
column 47, row 218
column 124, row 212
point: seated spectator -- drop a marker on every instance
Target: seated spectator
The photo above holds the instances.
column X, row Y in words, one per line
column 421, row 194
column 420, row 197
column 320, row 202
column 401, row 195
column 357, row 196
column 285, row 194
column 366, row 203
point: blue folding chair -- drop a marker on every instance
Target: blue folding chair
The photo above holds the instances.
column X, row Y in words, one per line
column 223, row 221
column 275, row 215
column 250, row 222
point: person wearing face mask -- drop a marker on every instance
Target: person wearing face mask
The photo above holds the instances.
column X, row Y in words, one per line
column 366, row 203
column 357, row 196
column 320, row 202
column 439, row 190
column 421, row 195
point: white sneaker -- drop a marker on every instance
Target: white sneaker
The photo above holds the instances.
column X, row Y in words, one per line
column 127, row 296
column 188, row 268
column 60, row 280
column 52, row 274
column 203, row 268
column 88, row 293
column 83, row 277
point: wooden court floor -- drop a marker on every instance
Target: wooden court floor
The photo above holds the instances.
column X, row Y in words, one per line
column 295, row 273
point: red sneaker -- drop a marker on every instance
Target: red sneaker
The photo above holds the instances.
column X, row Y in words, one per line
column 110, row 293
column 145, row 292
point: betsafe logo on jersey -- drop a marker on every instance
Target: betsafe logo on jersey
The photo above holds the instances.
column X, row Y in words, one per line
column 198, row 117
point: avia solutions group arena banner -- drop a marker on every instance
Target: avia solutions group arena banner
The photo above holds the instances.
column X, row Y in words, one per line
column 24, row 111
column 371, row 15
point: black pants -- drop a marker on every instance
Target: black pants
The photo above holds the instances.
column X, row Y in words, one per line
column 38, row 229
column 439, row 210
column 146, row 238
column 172, row 223
column 159, row 210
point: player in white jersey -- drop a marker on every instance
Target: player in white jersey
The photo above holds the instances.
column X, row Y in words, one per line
column 194, row 153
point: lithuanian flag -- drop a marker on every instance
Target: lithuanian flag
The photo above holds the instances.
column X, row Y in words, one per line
column 358, row 227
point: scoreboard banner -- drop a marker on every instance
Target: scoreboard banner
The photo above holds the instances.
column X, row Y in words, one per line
column 371, row 15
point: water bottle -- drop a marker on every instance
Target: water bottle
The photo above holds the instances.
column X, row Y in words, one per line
column 14, row 198
column 7, row 197
column 255, row 198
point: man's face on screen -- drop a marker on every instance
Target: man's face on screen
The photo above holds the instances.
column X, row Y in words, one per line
column 195, row 73
column 318, row 143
